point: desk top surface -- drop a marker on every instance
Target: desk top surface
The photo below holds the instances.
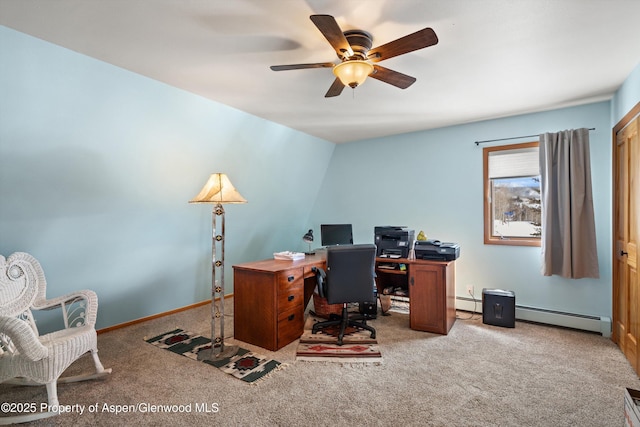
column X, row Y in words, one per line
column 279, row 265
column 275, row 265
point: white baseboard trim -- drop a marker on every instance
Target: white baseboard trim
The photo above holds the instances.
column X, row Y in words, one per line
column 599, row 324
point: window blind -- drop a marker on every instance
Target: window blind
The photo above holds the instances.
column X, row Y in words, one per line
column 514, row 163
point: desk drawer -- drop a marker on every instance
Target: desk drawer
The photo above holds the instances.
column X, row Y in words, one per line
column 289, row 278
column 290, row 291
column 308, row 269
column 291, row 297
column 290, row 326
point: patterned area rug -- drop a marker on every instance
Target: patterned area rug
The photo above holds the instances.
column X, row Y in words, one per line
column 323, row 346
column 245, row 365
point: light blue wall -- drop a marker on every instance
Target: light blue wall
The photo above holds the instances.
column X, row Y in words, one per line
column 626, row 97
column 432, row 181
column 97, row 165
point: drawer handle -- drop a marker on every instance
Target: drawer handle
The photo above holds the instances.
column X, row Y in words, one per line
column 290, row 298
column 291, row 317
column 290, row 278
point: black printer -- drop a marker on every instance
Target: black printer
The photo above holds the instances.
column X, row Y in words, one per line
column 436, row 250
column 393, row 241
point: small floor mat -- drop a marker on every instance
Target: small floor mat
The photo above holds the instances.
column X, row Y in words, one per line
column 358, row 346
column 244, row 365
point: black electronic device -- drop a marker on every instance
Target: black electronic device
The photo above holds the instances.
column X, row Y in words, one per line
column 436, row 250
column 499, row 307
column 370, row 309
column 393, row 241
column 336, row 234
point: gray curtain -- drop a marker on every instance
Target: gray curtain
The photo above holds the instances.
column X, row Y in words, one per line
column 568, row 226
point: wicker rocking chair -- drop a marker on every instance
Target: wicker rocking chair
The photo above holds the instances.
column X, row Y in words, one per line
column 28, row 358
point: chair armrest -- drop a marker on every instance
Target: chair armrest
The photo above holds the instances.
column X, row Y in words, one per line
column 321, row 278
column 90, row 306
column 23, row 337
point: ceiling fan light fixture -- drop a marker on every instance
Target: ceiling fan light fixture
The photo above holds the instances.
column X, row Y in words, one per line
column 353, row 73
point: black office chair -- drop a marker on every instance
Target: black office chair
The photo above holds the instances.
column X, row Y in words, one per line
column 349, row 278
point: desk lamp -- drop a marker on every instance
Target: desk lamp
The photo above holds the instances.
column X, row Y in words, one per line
column 309, row 239
column 218, row 190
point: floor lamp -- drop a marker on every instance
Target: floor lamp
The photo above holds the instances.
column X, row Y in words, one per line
column 218, row 190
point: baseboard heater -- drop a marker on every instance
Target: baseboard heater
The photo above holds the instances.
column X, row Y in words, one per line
column 601, row 325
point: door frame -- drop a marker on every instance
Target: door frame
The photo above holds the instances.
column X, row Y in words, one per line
column 631, row 115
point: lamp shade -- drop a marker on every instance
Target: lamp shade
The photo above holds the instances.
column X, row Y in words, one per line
column 218, row 189
column 353, row 73
column 308, row 237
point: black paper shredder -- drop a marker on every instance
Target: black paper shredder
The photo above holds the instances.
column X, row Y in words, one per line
column 499, row 308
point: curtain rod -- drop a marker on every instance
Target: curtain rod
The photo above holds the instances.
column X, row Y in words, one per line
column 513, row 137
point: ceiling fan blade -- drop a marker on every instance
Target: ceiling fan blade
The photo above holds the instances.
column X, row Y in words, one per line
column 335, row 89
column 418, row 40
column 302, row 66
column 392, row 77
column 332, row 32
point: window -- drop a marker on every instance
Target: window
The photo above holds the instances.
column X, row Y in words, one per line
column 512, row 210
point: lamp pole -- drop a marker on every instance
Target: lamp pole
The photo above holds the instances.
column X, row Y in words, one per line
column 218, row 349
column 217, row 190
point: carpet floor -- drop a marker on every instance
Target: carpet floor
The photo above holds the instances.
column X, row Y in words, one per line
column 477, row 375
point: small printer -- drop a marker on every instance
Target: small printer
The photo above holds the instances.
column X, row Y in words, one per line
column 393, row 241
column 436, row 250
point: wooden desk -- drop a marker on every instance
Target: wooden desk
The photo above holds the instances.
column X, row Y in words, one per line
column 431, row 286
column 270, row 296
column 269, row 299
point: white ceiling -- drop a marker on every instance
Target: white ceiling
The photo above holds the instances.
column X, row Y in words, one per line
column 494, row 58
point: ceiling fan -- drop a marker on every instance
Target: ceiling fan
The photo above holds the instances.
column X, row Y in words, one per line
column 353, row 48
